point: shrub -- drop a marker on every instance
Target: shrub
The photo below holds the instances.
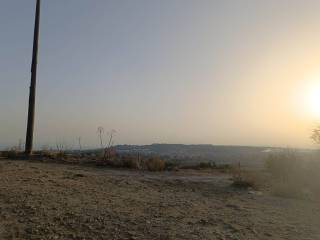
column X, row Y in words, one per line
column 134, row 162
column 206, row 165
column 292, row 176
column 172, row 166
column 155, row 164
column 11, row 153
column 49, row 154
column 131, row 162
column 125, row 161
column 225, row 168
column 109, row 154
column 245, row 179
column 209, row 166
column 61, row 155
column 284, row 165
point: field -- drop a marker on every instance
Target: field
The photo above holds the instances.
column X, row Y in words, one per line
column 57, row 201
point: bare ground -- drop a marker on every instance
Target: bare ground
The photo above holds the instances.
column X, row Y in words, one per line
column 55, row 201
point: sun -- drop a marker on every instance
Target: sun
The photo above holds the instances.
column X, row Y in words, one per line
column 313, row 100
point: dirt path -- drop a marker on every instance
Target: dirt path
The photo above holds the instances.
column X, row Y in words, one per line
column 52, row 201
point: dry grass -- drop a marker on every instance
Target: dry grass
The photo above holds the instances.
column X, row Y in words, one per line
column 137, row 162
column 131, row 162
column 49, row 154
column 155, row 164
column 11, row 153
column 245, row 179
column 225, row 168
column 284, row 165
column 294, row 177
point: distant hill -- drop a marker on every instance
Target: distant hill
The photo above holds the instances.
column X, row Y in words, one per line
column 191, row 150
column 190, row 154
column 196, row 153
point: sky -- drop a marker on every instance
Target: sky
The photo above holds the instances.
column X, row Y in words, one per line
column 228, row 72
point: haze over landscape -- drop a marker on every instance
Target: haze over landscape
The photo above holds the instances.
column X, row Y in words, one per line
column 160, row 120
column 184, row 71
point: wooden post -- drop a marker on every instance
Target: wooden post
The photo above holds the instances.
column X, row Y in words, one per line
column 32, row 94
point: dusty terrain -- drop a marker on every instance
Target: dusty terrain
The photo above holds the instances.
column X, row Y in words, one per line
column 55, row 201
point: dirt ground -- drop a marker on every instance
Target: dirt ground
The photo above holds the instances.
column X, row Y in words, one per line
column 55, row 201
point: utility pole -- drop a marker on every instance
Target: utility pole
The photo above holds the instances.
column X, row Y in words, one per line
column 32, row 94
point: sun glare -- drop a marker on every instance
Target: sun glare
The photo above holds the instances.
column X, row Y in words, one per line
column 313, row 100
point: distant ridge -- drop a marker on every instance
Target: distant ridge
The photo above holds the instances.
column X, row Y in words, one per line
column 186, row 154
column 192, row 149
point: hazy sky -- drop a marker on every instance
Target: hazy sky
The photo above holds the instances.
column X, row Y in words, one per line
column 169, row 71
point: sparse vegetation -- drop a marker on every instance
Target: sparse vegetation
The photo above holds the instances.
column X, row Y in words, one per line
column 131, row 162
column 40, row 201
column 136, row 162
column 315, row 136
column 209, row 166
column 283, row 165
column 61, row 151
column 100, row 132
column 293, row 176
column 245, row 179
column 155, row 164
column 108, row 151
column 11, row 153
